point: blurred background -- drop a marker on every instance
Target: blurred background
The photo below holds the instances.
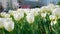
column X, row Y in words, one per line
column 14, row 4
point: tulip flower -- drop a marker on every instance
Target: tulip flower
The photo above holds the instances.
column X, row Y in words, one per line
column 56, row 12
column 1, row 23
column 52, row 6
column 27, row 11
column 43, row 15
column 35, row 11
column 52, row 17
column 5, row 15
column 30, row 18
column 11, row 12
column 53, row 22
column 8, row 24
column 18, row 15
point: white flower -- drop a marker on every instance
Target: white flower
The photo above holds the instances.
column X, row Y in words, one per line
column 18, row 15
column 8, row 24
column 20, row 9
column 45, row 9
column 5, row 15
column 43, row 15
column 36, row 11
column 1, row 23
column 53, row 22
column 57, row 6
column 11, row 12
column 30, row 18
column 56, row 12
column 27, row 11
column 52, row 17
column 51, row 6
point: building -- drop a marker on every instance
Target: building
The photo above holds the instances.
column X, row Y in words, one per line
column 4, row 3
column 9, row 3
column 12, row 4
column 39, row 2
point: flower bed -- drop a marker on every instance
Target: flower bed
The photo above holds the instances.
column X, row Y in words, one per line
column 44, row 20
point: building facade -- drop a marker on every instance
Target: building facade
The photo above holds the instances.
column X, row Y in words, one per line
column 13, row 3
column 9, row 3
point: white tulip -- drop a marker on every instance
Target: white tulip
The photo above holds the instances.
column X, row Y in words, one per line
column 52, row 17
column 51, row 6
column 11, row 12
column 30, row 18
column 57, row 6
column 5, row 15
column 8, row 24
column 20, row 9
column 18, row 15
column 27, row 11
column 45, row 9
column 43, row 15
column 53, row 22
column 56, row 12
column 1, row 23
column 35, row 11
